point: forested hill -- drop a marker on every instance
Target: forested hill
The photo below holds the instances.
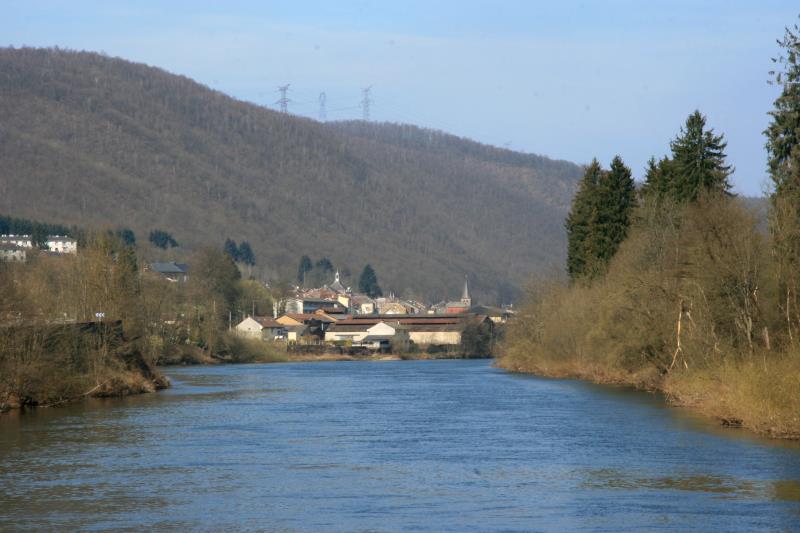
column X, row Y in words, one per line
column 93, row 141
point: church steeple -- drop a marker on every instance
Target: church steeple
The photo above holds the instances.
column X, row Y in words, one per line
column 465, row 298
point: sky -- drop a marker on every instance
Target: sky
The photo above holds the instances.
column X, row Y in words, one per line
column 571, row 80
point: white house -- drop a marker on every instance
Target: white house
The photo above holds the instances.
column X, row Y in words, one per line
column 260, row 328
column 12, row 253
column 59, row 244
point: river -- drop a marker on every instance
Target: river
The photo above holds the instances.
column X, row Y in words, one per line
column 387, row 446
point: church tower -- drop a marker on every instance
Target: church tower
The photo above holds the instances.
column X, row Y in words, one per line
column 465, row 298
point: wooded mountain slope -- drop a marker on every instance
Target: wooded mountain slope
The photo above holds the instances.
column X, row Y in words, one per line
column 90, row 140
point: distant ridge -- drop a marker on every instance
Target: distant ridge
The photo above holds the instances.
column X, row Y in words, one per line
column 90, row 140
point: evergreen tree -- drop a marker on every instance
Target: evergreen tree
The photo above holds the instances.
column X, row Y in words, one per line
column 127, row 236
column 658, row 179
column 245, row 254
column 304, row 267
column 581, row 224
column 39, row 237
column 783, row 148
column 698, row 160
column 325, row 265
column 617, row 200
column 368, row 282
column 231, row 249
column 162, row 239
column 783, row 132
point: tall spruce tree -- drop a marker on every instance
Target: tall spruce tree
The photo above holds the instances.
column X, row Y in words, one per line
column 658, row 179
column 231, row 249
column 368, row 282
column 783, row 148
column 698, row 161
column 617, row 199
column 581, row 225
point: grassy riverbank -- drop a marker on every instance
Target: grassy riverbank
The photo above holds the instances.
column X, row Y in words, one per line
column 691, row 305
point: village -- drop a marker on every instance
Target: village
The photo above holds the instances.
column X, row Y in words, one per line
column 330, row 318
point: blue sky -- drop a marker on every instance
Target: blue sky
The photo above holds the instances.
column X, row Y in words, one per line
column 571, row 80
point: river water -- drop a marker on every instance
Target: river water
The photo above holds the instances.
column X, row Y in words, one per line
column 387, row 446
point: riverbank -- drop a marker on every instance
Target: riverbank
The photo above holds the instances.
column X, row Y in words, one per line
column 53, row 365
column 761, row 397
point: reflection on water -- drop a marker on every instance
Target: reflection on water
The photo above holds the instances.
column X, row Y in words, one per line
column 785, row 490
column 387, row 446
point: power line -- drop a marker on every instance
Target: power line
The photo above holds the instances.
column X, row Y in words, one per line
column 323, row 113
column 365, row 102
column 283, row 100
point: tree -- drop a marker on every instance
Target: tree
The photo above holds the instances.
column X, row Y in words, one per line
column 698, row 158
column 617, row 193
column 325, row 265
column 368, row 282
column 783, row 149
column 39, row 237
column 658, row 179
column 162, row 239
column 246, row 254
column 304, row 267
column 127, row 236
column 231, row 249
column 581, row 224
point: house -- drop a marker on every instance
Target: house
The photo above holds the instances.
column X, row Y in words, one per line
column 422, row 330
column 370, row 335
column 171, row 270
column 361, row 304
column 12, row 253
column 58, row 244
column 303, row 305
column 261, row 328
column 498, row 315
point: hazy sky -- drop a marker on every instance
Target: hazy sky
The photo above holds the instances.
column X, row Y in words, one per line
column 571, row 80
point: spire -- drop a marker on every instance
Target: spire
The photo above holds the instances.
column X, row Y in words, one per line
column 465, row 298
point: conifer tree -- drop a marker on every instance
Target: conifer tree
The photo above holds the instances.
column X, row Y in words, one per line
column 245, row 254
column 783, row 148
column 617, row 199
column 368, row 282
column 658, row 179
column 302, row 269
column 231, row 249
column 698, row 161
column 581, row 224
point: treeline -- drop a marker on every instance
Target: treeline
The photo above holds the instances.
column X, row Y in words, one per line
column 677, row 287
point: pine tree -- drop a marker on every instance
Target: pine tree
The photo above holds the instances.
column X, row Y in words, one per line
column 617, row 199
column 581, row 224
column 245, row 254
column 368, row 282
column 231, row 249
column 698, row 159
column 783, row 148
column 304, row 267
column 162, row 239
column 658, row 179
column 783, row 132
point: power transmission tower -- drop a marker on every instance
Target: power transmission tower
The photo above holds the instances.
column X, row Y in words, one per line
column 323, row 113
column 283, row 100
column 365, row 102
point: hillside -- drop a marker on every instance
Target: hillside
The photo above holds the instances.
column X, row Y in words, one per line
column 95, row 141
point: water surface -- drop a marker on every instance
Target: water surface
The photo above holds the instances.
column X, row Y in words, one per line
column 387, row 446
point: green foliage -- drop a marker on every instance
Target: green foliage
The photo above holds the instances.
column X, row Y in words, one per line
column 127, row 235
column 162, row 239
column 324, row 265
column 39, row 237
column 783, row 132
column 304, row 268
column 698, row 157
column 23, row 226
column 231, row 249
column 477, row 340
column 697, row 165
column 599, row 219
column 245, row 254
column 368, row 282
